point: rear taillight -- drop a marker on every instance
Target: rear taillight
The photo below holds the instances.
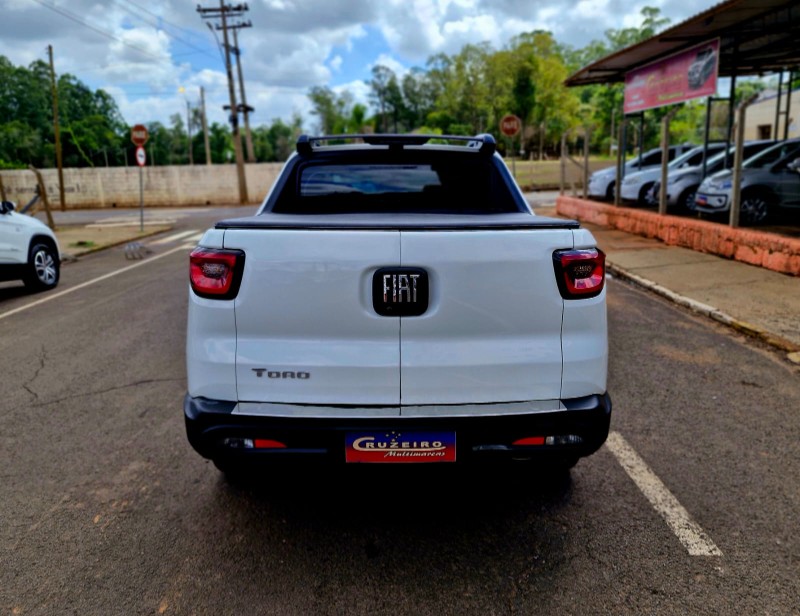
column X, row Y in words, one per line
column 216, row 273
column 580, row 273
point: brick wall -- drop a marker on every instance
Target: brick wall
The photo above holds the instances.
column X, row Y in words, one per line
column 163, row 186
column 781, row 254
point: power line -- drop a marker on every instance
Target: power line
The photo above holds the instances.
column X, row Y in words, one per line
column 141, row 8
column 157, row 26
column 100, row 31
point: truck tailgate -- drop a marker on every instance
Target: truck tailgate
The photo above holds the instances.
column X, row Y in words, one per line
column 305, row 328
column 492, row 331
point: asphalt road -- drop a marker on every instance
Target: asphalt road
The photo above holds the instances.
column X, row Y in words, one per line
column 106, row 509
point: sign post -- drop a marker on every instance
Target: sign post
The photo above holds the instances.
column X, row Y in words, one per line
column 510, row 126
column 139, row 137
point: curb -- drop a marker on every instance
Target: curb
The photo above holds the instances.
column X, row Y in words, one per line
column 717, row 315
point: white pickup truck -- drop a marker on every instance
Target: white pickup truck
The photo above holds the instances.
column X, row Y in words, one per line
column 396, row 301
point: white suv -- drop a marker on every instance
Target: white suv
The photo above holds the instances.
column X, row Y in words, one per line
column 28, row 250
column 395, row 301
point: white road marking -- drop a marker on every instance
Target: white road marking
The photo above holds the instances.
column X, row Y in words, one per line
column 693, row 538
column 89, row 282
column 172, row 238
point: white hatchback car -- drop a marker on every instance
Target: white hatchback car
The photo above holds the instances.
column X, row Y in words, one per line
column 28, row 250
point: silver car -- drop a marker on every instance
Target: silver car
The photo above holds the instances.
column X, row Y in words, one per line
column 602, row 183
column 770, row 180
column 636, row 186
column 682, row 183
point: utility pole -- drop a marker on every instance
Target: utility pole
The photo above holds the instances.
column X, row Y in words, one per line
column 205, row 124
column 57, row 130
column 251, row 155
column 189, row 130
column 223, row 12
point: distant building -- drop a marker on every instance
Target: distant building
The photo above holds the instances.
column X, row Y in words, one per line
column 760, row 122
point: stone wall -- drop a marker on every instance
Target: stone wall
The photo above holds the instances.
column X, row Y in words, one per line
column 163, row 186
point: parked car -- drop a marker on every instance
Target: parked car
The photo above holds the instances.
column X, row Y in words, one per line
column 769, row 181
column 28, row 250
column 636, row 186
column 701, row 68
column 602, row 183
column 682, row 183
column 396, row 301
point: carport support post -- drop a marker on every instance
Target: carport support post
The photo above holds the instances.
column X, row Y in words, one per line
column 788, row 106
column 620, row 160
column 736, row 193
column 662, row 193
column 563, row 185
column 587, row 133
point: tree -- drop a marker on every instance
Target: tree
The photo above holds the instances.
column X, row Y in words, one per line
column 332, row 109
column 381, row 76
column 92, row 127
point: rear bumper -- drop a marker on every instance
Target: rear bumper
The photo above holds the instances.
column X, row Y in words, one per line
column 211, row 423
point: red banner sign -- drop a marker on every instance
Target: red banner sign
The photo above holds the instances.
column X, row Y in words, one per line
column 681, row 77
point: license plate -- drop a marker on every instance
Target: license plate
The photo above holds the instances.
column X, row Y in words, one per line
column 701, row 199
column 396, row 447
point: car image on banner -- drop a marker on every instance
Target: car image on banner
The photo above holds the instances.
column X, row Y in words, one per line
column 702, row 68
column 681, row 77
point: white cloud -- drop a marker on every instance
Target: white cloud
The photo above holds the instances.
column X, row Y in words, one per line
column 390, row 62
column 292, row 46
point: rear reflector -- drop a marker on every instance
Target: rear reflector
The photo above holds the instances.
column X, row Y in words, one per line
column 531, row 440
column 265, row 443
column 580, row 273
column 216, row 273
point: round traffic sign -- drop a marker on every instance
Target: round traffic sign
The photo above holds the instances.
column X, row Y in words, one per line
column 510, row 125
column 141, row 157
column 139, row 134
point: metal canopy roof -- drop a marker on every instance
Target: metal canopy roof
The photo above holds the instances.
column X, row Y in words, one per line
column 756, row 36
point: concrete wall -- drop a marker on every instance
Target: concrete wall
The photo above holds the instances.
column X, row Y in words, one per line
column 775, row 252
column 163, row 186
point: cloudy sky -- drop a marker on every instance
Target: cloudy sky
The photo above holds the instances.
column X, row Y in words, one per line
column 154, row 56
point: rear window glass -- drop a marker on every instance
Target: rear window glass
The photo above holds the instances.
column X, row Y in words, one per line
column 442, row 185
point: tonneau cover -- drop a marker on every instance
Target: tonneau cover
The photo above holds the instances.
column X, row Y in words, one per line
column 417, row 222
